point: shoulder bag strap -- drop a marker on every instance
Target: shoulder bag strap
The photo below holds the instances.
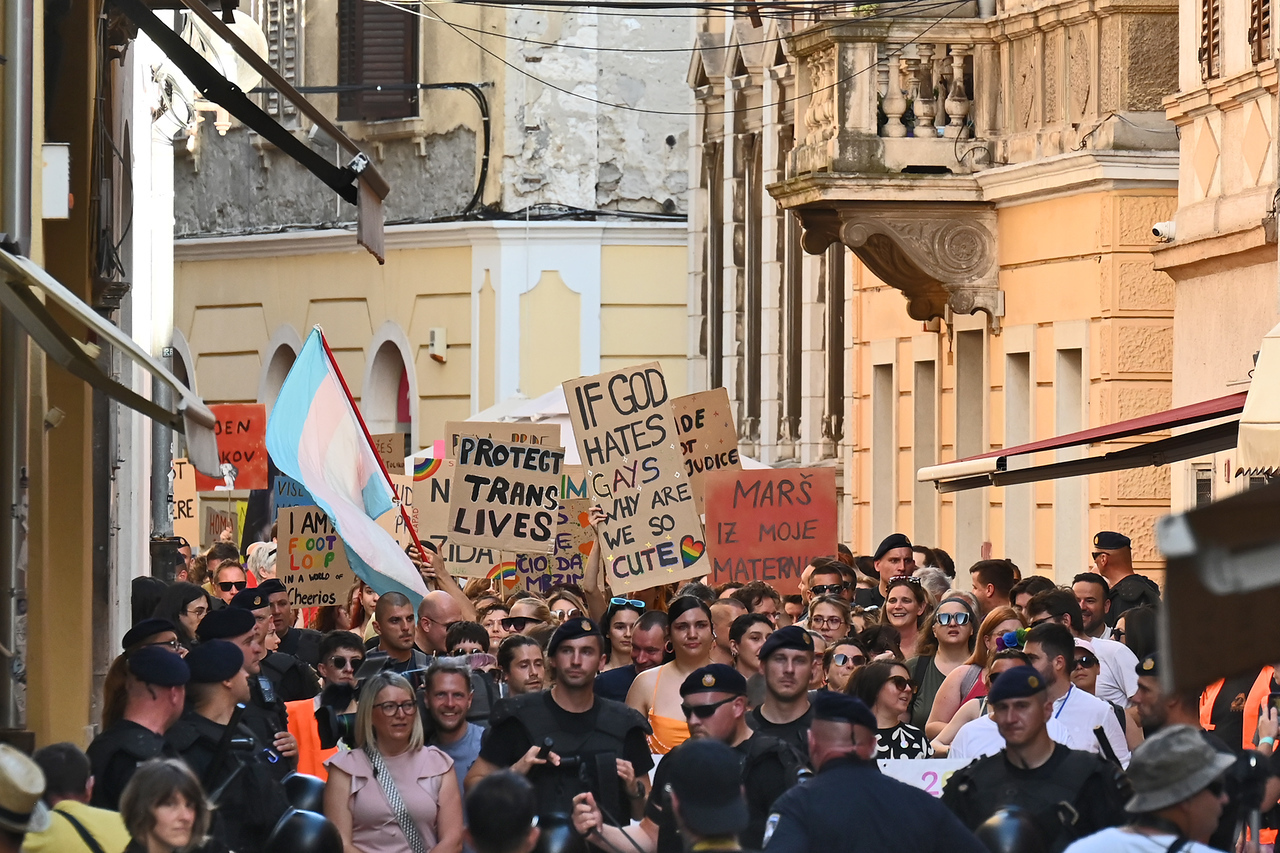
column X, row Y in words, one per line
column 392, row 793
column 89, row 840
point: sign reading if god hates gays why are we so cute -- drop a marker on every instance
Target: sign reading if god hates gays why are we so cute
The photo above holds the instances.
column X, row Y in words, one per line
column 628, row 443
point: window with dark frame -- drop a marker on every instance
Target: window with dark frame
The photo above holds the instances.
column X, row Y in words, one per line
column 1210, row 38
column 377, row 46
column 1260, row 29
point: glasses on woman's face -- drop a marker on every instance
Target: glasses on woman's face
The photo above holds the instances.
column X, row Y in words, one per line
column 901, row 683
column 391, row 709
column 626, row 602
column 340, row 663
column 227, row 586
column 961, row 618
column 171, row 645
column 828, row 589
column 849, row 660
column 702, row 712
column 1117, row 634
column 563, row 615
column 518, row 623
column 199, row 611
column 827, row 621
column 1086, row 661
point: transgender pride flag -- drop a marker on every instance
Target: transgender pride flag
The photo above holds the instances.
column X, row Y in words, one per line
column 316, row 436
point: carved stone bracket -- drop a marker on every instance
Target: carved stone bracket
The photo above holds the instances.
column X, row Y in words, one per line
column 940, row 255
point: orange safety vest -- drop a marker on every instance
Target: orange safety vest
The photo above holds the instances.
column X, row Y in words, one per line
column 303, row 726
column 1253, row 703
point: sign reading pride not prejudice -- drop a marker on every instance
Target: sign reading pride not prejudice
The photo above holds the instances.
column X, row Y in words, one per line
column 768, row 525
column 627, row 439
column 505, row 495
column 708, row 438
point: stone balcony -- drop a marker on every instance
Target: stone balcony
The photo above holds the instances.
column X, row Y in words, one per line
column 898, row 112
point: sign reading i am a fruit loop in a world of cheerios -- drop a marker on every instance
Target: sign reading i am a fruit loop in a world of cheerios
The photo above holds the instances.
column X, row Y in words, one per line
column 635, row 473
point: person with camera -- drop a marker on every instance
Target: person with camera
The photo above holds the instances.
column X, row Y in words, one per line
column 341, row 655
column 392, row 793
column 232, row 764
column 568, row 741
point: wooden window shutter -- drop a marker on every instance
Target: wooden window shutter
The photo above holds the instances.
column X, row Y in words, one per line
column 1210, row 38
column 1260, row 29
column 377, row 45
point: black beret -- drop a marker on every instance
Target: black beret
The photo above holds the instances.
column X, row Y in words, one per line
column 893, row 540
column 572, row 629
column 1016, row 683
column 714, row 678
column 214, row 661
column 145, row 630
column 249, row 599
column 1109, row 540
column 159, row 666
column 842, row 708
column 1150, row 665
column 271, row 586
column 790, row 637
column 225, row 623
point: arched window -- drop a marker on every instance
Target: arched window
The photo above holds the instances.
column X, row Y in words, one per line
column 385, row 401
column 277, row 369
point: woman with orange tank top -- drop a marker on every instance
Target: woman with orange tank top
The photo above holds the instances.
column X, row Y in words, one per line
column 656, row 692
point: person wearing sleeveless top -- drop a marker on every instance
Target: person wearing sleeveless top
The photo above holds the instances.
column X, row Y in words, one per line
column 656, row 692
column 391, row 794
column 965, row 682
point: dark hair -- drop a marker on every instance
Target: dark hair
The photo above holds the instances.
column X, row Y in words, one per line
column 335, row 640
column 1010, row 654
column 927, row 644
column 66, row 771
column 866, row 566
column 441, row 667
column 484, row 612
column 743, row 624
column 174, row 602
column 225, row 551
column 1055, row 640
column 999, row 573
column 827, row 566
column 918, row 592
column 843, row 641
column 843, row 554
column 144, row 595
column 606, row 624
column 388, row 600
column 653, row 619
column 698, row 590
column 728, row 587
column 1056, row 602
column 929, row 558
column 1093, row 577
column 682, row 604
column 753, row 595
column 1140, row 629
column 154, row 783
column 541, row 634
column 793, row 598
column 945, row 562
column 507, row 649
column 882, row 638
column 868, row 680
column 1031, row 584
column 460, row 631
column 500, row 812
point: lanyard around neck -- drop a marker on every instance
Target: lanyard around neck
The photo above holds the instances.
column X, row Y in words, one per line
column 1065, row 697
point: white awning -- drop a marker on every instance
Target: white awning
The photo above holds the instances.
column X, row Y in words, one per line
column 1258, row 451
column 23, row 279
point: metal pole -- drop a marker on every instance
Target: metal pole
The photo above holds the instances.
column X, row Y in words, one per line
column 15, row 208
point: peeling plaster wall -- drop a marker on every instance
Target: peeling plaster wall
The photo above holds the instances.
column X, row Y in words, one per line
column 562, row 147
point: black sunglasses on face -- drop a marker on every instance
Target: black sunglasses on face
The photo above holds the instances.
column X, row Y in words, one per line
column 227, row 586
column 1117, row 635
column 1086, row 661
column 340, row 663
column 518, row 623
column 702, row 712
column 1217, row 788
column 956, row 618
column 843, row 660
column 828, row 589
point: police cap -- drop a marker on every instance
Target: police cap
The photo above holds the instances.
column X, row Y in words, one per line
column 224, row 624
column 145, row 630
column 271, row 586
column 1016, row 683
column 893, row 540
column 1109, row 540
column 573, row 629
column 790, row 637
column 706, row 778
column 214, row 661
column 249, row 599
column 1150, row 665
column 156, row 665
column 842, row 708
column 714, row 678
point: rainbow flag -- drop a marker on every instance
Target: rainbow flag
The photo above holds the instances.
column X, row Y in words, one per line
column 316, row 436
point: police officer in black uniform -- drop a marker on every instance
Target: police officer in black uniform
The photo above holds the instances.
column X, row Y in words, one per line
column 569, row 741
column 292, row 679
column 233, row 766
column 156, row 690
column 705, row 797
column 1068, row 794
column 264, row 714
column 849, row 805
column 1113, row 557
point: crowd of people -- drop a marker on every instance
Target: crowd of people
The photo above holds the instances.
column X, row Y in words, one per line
column 733, row 716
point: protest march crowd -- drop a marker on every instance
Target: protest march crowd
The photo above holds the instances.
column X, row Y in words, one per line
column 495, row 721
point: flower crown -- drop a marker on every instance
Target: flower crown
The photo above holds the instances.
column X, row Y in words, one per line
column 1011, row 640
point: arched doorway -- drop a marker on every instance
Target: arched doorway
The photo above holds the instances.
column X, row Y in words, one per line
column 385, row 402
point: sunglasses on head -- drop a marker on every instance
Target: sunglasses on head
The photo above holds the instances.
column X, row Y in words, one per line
column 828, row 589
column 901, row 683
column 953, row 618
column 1086, row 660
column 845, row 660
column 702, row 712
column 227, row 586
column 518, row 623
column 911, row 579
column 626, row 602
column 338, row 662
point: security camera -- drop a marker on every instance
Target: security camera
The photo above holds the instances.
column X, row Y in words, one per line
column 1164, row 231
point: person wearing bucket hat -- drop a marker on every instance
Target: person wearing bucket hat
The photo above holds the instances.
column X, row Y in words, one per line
column 1178, row 795
column 21, row 808
column 786, row 660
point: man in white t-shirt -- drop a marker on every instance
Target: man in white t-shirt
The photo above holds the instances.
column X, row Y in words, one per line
column 1051, row 649
column 981, row 737
column 1117, row 676
column 1178, row 797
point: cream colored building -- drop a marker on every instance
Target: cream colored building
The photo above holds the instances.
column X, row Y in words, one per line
column 1002, row 173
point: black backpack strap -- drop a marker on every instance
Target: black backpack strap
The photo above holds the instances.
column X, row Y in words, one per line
column 89, row 840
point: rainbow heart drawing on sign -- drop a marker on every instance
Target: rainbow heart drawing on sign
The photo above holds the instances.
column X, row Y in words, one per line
column 425, row 468
column 506, row 571
column 691, row 550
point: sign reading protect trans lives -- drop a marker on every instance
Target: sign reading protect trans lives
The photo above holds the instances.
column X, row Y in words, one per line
column 767, row 525
column 505, row 495
column 627, row 440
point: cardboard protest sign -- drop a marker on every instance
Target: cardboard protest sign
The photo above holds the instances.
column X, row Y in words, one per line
column 708, row 438
column 505, row 495
column 392, row 520
column 928, row 774
column 316, row 571
column 567, row 564
column 627, row 440
column 390, row 447
column 543, row 435
column 289, row 492
column 767, row 525
column 215, row 518
column 573, row 483
column 186, row 522
column 241, row 431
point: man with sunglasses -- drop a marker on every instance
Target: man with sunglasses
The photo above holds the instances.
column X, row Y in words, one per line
column 436, row 614
column 1116, row 680
column 1113, row 557
column 228, row 579
column 823, row 576
column 714, row 702
column 1067, row 794
column 341, row 655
